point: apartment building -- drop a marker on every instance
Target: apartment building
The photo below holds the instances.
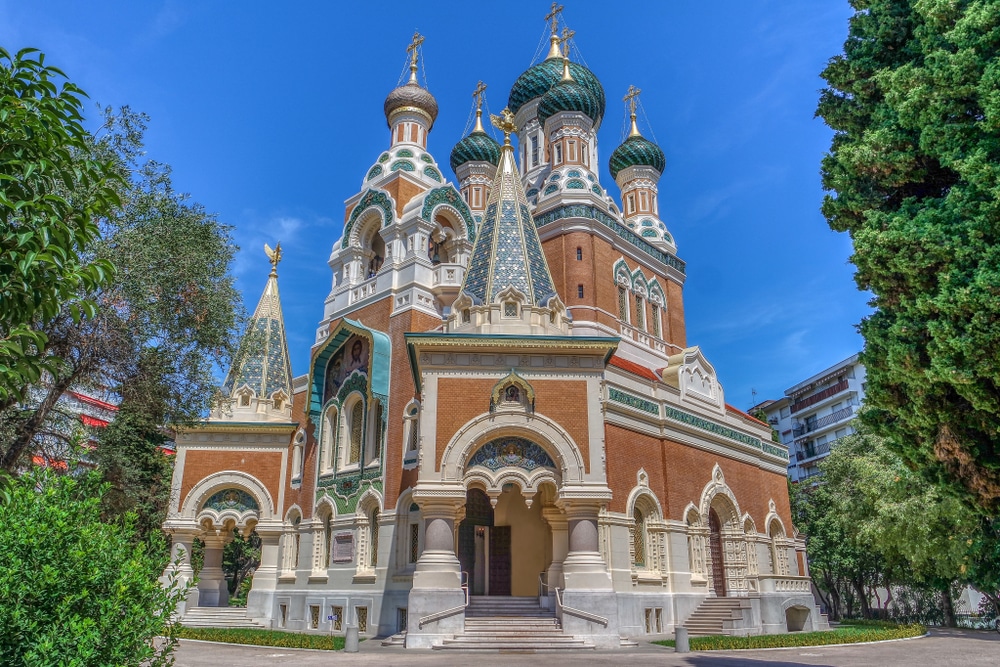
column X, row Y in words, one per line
column 815, row 413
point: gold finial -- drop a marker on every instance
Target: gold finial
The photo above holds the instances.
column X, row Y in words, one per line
column 632, row 99
column 274, row 256
column 567, row 34
column 553, row 17
column 478, row 95
column 505, row 123
column 418, row 39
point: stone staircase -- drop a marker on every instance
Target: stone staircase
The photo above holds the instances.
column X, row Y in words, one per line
column 219, row 617
column 494, row 623
column 716, row 616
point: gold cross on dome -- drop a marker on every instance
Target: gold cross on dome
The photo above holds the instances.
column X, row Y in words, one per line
column 478, row 93
column 567, row 35
column 631, row 98
column 418, row 39
column 553, row 16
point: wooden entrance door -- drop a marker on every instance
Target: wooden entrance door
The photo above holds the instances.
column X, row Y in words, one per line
column 500, row 560
column 715, row 549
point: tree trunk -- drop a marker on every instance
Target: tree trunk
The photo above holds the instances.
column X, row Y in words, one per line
column 29, row 428
column 948, row 607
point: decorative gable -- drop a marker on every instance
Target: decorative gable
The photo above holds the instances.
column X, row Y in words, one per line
column 692, row 374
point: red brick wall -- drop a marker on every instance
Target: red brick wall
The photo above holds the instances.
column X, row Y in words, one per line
column 200, row 463
column 678, row 474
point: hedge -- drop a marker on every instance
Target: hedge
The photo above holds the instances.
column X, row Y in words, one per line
column 853, row 633
column 263, row 638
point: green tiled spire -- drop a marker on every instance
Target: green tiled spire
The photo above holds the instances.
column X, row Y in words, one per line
column 262, row 362
column 507, row 251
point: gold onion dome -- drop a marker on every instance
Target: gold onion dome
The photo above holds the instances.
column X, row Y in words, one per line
column 411, row 96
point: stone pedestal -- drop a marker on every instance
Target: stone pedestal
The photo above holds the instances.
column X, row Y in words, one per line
column 437, row 577
column 260, row 601
column 212, row 587
column 560, row 545
column 178, row 573
column 588, row 582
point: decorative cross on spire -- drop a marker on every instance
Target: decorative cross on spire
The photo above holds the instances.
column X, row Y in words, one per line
column 478, row 95
column 418, row 39
column 553, row 17
column 505, row 123
column 632, row 99
column 567, row 35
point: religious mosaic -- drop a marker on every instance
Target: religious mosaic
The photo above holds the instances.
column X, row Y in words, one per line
column 232, row 499
column 348, row 365
column 511, row 453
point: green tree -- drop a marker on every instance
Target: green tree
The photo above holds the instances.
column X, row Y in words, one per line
column 914, row 172
column 877, row 524
column 169, row 316
column 76, row 590
column 53, row 190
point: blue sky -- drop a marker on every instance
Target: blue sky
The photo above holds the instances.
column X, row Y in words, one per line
column 271, row 114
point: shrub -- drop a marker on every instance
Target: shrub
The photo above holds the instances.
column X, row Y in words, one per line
column 854, row 633
column 75, row 590
column 263, row 638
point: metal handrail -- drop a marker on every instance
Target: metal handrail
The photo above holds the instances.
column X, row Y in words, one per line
column 438, row 615
column 579, row 613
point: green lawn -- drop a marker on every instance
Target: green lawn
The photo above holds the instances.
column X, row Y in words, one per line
column 263, row 638
column 852, row 633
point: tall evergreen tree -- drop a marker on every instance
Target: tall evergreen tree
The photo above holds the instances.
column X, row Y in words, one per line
column 914, row 177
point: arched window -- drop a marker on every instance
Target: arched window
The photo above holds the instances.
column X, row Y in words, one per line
column 622, row 304
column 640, row 312
column 655, row 316
column 579, row 253
column 373, row 538
column 373, row 447
column 356, row 430
column 329, row 439
column 638, row 538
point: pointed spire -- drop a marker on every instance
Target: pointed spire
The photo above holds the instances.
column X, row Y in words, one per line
column 262, row 362
column 632, row 98
column 508, row 253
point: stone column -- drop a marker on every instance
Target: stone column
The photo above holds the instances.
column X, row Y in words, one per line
column 437, row 577
column 265, row 578
column 178, row 572
column 212, row 586
column 320, row 559
column 560, row 544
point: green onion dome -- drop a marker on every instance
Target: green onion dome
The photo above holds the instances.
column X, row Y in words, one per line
column 411, row 95
column 476, row 147
column 569, row 95
column 634, row 152
column 538, row 79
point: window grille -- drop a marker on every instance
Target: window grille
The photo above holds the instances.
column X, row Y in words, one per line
column 338, row 617
column 414, row 542
column 374, row 538
column 362, row 614
column 639, row 539
column 622, row 304
column 640, row 312
column 357, row 420
column 656, row 321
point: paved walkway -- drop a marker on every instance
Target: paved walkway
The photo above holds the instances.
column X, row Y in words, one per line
column 965, row 648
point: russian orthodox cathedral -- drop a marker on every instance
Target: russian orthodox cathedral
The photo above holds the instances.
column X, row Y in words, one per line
column 502, row 417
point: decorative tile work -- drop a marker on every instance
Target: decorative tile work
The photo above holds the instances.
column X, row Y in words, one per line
column 476, row 147
column 404, row 165
column 594, row 213
column 369, row 199
column 479, row 267
column 619, row 396
column 724, row 431
column 373, row 172
column 555, row 176
column 531, row 193
column 511, row 453
column 646, row 222
column 448, row 195
column 232, row 499
column 636, row 151
column 263, row 363
column 383, row 158
column 540, row 278
column 575, row 184
column 537, row 80
column 427, row 158
column 596, row 189
column 570, row 96
column 433, row 173
column 650, row 234
column 550, row 189
column 406, row 152
column 573, row 173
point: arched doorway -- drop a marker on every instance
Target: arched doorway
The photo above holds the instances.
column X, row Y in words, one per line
column 716, row 553
column 503, row 549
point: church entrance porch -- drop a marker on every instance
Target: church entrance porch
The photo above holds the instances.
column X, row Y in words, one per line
column 503, row 549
